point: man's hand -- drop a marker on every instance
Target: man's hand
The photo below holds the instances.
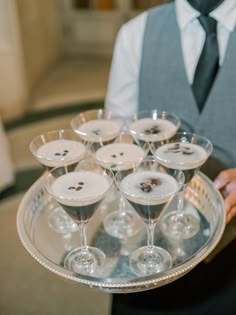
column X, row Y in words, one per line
column 226, row 183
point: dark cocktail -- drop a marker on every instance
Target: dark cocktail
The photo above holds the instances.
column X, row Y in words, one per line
column 97, row 126
column 153, row 126
column 80, row 192
column 53, row 149
column 149, row 189
column 123, row 157
column 186, row 152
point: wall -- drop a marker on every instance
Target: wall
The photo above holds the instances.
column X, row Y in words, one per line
column 29, row 46
column 13, row 87
column 40, row 33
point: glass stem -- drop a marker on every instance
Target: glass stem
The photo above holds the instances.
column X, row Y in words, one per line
column 83, row 237
column 180, row 205
column 150, row 233
column 121, row 206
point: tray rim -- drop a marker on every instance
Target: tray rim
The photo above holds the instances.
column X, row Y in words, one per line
column 132, row 285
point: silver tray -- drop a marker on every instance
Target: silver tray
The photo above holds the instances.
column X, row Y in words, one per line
column 49, row 248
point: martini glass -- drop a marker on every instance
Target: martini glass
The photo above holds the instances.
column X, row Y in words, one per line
column 186, row 152
column 153, row 126
column 122, row 155
column 80, row 191
column 149, row 189
column 97, row 126
column 53, row 149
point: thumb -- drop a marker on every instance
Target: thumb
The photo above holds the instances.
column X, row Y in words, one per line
column 230, row 205
column 224, row 178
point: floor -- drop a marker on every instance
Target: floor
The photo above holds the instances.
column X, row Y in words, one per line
column 72, row 80
column 26, row 287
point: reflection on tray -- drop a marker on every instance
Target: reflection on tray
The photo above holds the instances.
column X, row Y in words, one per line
column 50, row 248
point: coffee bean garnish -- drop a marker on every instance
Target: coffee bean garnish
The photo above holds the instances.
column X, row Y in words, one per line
column 96, row 132
column 148, row 185
column 78, row 187
column 187, row 152
column 176, row 145
column 177, row 148
column 65, row 152
column 155, row 181
column 115, row 156
column 153, row 130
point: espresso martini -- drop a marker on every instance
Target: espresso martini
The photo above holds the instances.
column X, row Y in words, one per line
column 181, row 155
column 150, row 130
column 119, row 156
column 99, row 130
column 80, row 193
column 148, row 192
column 59, row 152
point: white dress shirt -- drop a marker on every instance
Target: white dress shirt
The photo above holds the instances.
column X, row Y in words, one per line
column 122, row 93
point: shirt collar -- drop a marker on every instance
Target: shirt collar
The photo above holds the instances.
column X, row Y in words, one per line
column 185, row 13
column 224, row 14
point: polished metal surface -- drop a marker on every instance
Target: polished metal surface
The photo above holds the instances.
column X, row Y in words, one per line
column 50, row 248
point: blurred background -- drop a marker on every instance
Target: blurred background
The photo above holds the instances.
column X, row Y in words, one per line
column 55, row 52
column 54, row 62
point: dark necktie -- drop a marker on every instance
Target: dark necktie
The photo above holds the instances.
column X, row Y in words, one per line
column 208, row 63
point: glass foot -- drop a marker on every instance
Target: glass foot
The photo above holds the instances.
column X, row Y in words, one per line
column 182, row 226
column 60, row 222
column 146, row 261
column 121, row 225
column 85, row 261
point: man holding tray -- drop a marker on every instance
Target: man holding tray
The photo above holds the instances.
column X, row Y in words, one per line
column 180, row 57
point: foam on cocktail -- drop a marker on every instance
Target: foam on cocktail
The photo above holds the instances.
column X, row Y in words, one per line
column 99, row 130
column 180, row 155
column 80, row 188
column 59, row 152
column 119, row 156
column 149, row 187
column 149, row 129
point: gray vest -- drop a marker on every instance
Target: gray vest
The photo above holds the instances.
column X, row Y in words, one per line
column 163, row 84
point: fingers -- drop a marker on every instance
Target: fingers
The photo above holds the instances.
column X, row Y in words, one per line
column 224, row 178
column 226, row 183
column 231, row 214
column 231, row 186
column 225, row 191
column 230, row 205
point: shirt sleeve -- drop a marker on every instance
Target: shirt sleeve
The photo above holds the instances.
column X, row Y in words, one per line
column 122, row 92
